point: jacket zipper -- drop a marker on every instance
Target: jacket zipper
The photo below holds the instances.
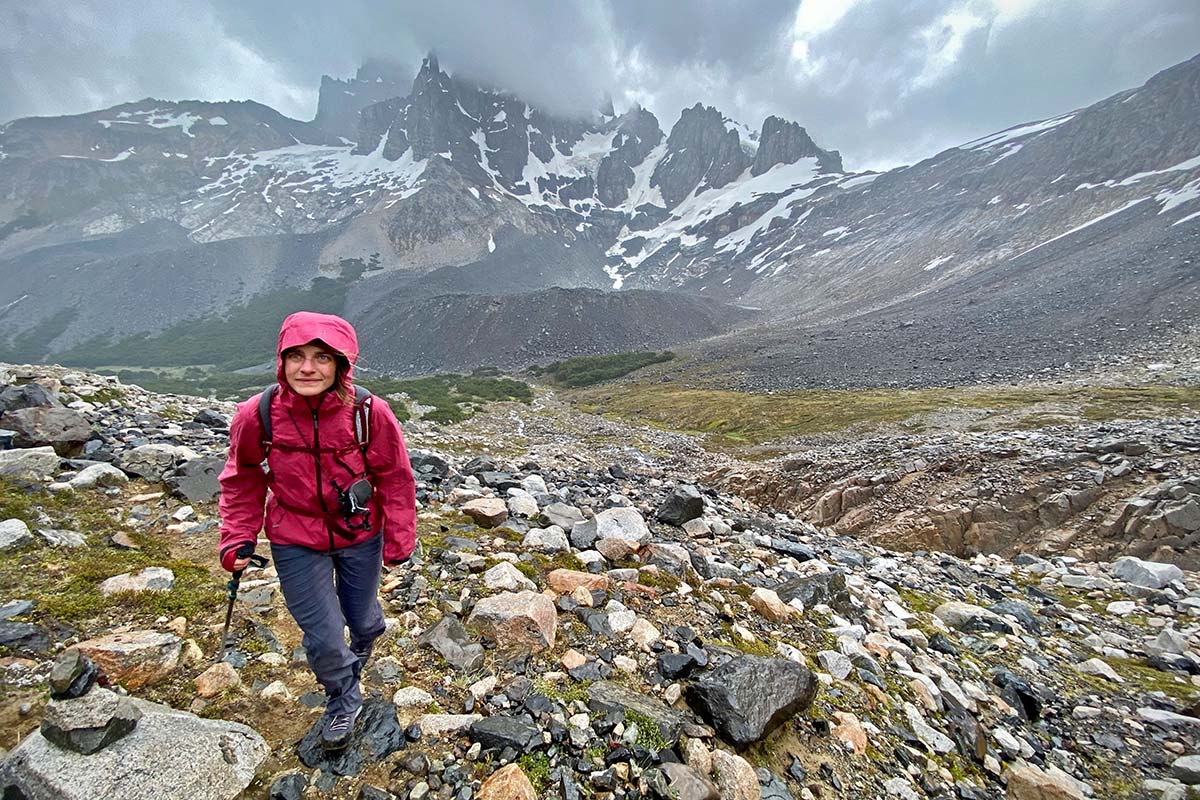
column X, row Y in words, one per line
column 317, row 458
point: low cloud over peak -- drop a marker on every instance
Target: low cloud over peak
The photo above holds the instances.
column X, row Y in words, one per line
column 884, row 81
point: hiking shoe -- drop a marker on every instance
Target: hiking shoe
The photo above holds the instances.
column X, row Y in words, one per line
column 337, row 730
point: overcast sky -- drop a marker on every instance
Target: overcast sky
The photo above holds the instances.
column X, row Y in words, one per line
column 886, row 82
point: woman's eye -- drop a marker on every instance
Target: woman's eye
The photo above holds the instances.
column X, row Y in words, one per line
column 324, row 358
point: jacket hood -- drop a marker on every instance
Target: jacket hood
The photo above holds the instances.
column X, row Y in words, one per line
column 304, row 327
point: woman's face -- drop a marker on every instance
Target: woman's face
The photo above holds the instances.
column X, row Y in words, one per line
column 309, row 369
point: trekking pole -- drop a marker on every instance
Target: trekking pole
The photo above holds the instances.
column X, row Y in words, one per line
column 231, row 591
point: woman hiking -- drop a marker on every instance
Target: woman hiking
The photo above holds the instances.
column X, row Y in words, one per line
column 338, row 502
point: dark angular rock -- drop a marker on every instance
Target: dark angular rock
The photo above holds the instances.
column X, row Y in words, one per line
column 89, row 723
column 825, row 587
column 800, row 552
column 211, row 418
column 1019, row 611
column 72, row 675
column 772, row 786
column 966, row 733
column 377, row 734
column 479, row 464
column 27, row 395
column 583, row 534
column 24, row 638
column 844, row 555
column 497, row 733
column 500, row 481
column 942, row 644
column 1019, row 694
column 428, row 465
column 673, row 666
column 196, row 480
column 288, row 787
column 747, row 697
column 683, row 504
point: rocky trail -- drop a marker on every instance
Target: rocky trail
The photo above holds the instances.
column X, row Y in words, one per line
column 602, row 609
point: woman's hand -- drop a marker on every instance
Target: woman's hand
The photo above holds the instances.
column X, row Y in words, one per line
column 240, row 564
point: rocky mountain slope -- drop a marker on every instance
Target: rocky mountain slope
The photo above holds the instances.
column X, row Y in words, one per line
column 1044, row 230
column 589, row 615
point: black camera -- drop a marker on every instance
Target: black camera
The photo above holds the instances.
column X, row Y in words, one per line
column 354, row 500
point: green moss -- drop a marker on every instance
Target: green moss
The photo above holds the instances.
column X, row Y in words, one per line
column 659, row 580
column 536, row 767
column 1149, row 679
column 563, row 693
column 16, row 504
column 103, row 396
column 529, row 569
column 919, row 601
column 755, row 648
column 649, row 736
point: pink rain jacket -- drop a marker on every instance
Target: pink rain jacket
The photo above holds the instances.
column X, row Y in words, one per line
column 313, row 447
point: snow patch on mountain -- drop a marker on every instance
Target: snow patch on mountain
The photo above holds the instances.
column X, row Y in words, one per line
column 1019, row 132
column 1087, row 224
column 157, row 118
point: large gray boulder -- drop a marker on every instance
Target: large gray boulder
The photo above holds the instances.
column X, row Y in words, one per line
column 1147, row 574
column 168, row 754
column 748, row 697
column 61, row 428
column 150, row 461
column 624, row 525
column 14, row 533
column 32, row 464
column 196, row 480
column 27, row 395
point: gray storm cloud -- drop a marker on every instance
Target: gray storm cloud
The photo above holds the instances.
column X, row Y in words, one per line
column 884, row 81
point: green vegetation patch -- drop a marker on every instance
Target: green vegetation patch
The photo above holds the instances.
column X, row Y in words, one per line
column 589, row 370
column 744, row 417
column 64, row 582
column 536, row 767
column 562, row 692
column 649, row 736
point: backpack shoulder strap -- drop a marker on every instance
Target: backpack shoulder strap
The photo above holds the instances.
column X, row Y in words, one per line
column 264, row 413
column 362, row 417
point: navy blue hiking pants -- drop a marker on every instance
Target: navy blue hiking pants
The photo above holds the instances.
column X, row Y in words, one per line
column 327, row 593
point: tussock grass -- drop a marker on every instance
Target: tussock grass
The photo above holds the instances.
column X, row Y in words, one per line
column 741, row 417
